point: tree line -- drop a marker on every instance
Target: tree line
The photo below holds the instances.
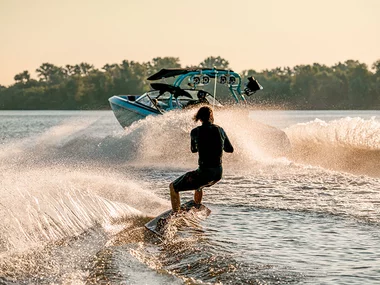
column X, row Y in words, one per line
column 348, row 85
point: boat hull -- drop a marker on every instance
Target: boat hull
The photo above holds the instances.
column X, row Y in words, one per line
column 127, row 111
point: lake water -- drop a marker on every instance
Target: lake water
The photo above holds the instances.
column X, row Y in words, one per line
column 76, row 190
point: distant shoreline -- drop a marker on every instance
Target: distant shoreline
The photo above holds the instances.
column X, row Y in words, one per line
column 350, row 85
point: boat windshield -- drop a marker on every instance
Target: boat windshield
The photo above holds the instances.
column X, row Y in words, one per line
column 166, row 101
column 145, row 100
column 152, row 94
column 162, row 101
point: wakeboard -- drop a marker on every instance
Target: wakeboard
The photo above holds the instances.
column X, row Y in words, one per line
column 157, row 223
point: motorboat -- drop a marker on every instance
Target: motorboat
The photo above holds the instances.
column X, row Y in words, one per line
column 180, row 89
column 187, row 87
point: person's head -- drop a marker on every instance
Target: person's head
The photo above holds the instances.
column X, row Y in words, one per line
column 201, row 94
column 204, row 114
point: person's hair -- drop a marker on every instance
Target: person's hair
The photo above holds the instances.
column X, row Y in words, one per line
column 204, row 114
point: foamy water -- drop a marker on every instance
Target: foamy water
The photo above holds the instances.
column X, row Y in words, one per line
column 76, row 189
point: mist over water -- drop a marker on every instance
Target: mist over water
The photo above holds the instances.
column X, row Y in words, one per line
column 76, row 186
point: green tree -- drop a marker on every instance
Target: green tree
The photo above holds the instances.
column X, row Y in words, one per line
column 376, row 67
column 132, row 77
column 22, row 77
column 50, row 73
column 216, row 62
column 347, row 85
column 108, row 67
column 112, row 69
column 375, row 87
column 72, row 69
column 85, row 68
column 359, row 86
column 159, row 63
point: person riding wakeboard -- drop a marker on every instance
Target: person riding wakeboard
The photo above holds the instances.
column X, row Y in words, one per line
column 209, row 140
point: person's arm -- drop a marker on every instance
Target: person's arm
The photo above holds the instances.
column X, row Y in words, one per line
column 194, row 140
column 227, row 147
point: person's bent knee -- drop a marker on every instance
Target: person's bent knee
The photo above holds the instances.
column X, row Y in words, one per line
column 171, row 187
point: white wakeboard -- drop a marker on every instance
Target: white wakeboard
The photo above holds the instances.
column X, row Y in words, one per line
column 155, row 224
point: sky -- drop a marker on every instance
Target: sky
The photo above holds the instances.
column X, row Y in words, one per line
column 250, row 34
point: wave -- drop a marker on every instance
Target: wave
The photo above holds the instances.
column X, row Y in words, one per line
column 348, row 144
column 56, row 219
column 76, row 169
column 48, row 204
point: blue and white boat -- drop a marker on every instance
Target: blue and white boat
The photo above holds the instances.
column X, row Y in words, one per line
column 188, row 87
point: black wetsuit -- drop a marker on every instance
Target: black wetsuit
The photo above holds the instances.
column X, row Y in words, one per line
column 209, row 141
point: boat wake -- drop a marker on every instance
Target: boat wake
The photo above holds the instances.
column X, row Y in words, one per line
column 348, row 144
column 56, row 219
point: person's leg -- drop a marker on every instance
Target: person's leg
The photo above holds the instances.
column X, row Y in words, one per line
column 187, row 181
column 174, row 196
column 198, row 196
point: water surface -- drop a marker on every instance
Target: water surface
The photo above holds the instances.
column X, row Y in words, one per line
column 76, row 189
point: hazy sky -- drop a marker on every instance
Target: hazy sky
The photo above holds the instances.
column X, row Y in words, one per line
column 250, row 34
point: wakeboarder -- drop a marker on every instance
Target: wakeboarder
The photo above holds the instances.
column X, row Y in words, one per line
column 209, row 140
